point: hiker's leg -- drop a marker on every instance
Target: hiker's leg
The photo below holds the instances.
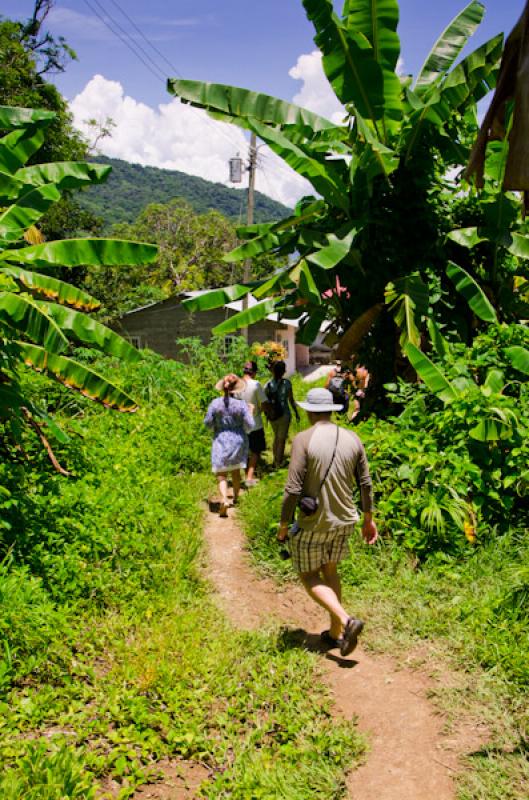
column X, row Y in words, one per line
column 332, row 579
column 252, row 464
column 236, row 483
column 280, row 451
column 222, row 478
column 316, row 586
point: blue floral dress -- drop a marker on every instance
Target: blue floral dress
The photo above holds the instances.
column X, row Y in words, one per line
column 230, row 420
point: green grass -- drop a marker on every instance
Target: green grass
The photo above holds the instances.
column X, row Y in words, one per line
column 115, row 656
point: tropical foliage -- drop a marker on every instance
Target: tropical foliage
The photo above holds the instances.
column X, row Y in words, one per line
column 371, row 248
column 191, row 248
column 42, row 317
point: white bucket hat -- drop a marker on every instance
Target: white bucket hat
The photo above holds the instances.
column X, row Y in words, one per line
column 320, row 401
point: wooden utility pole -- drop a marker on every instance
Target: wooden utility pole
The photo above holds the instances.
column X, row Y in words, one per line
column 252, row 168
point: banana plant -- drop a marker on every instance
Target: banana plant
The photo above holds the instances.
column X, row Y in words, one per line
column 42, row 317
column 376, row 218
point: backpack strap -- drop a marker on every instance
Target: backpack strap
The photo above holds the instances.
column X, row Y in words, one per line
column 332, row 459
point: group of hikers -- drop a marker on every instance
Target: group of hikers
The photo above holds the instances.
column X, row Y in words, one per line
column 326, row 461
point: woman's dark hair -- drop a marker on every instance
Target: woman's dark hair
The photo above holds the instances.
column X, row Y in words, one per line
column 279, row 368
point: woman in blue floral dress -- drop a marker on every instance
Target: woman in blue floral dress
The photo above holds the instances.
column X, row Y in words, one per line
column 230, row 419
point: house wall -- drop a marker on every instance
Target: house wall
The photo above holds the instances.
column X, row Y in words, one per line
column 159, row 326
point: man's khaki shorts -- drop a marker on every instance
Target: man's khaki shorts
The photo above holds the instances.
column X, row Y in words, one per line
column 311, row 550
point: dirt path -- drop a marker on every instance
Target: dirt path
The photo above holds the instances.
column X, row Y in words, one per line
column 409, row 758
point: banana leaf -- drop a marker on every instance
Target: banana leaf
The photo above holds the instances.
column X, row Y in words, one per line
column 432, row 376
column 519, row 358
column 52, row 289
column 17, row 147
column 15, row 117
column 325, row 176
column 310, row 326
column 26, row 211
column 237, row 102
column 335, row 251
column 475, row 76
column 467, row 237
column 349, row 62
column 89, row 331
column 494, row 382
column 216, row 297
column 378, row 20
column 408, row 299
column 442, row 348
column 244, row 318
column 307, row 285
column 64, row 174
column 30, row 318
column 449, row 45
column 499, row 424
column 472, row 292
column 80, row 252
column 78, row 377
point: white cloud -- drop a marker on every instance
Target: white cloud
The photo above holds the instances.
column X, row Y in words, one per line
column 316, row 93
column 175, row 136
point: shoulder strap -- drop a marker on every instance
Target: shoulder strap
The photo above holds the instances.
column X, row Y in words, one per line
column 332, row 459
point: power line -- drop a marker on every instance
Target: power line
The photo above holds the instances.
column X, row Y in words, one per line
column 127, row 40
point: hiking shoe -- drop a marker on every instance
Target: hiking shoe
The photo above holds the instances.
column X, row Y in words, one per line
column 352, row 631
column 329, row 640
column 251, row 482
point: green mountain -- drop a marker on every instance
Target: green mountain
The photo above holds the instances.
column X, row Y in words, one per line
column 130, row 187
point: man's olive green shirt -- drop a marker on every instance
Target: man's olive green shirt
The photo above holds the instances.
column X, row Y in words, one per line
column 310, row 457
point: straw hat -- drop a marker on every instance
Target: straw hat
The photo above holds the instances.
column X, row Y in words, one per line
column 235, row 384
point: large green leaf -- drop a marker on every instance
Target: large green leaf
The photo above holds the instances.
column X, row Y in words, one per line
column 216, row 297
column 80, row 252
column 378, row 20
column 500, row 423
column 89, row 331
column 408, row 299
column 307, row 285
column 28, row 209
column 450, row 43
column 467, row 237
column 30, row 318
column 519, row 245
column 348, row 61
column 442, row 348
column 64, row 174
column 78, row 377
column 244, row 318
column 472, row 292
column 386, row 159
column 14, row 117
column 335, row 251
column 254, row 247
column 52, row 289
column 432, row 376
column 519, row 358
column 18, row 146
column 474, row 76
column 323, row 175
column 236, row 102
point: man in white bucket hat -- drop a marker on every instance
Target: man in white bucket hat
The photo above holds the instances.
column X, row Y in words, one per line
column 325, row 462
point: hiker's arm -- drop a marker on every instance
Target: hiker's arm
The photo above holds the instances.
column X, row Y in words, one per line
column 365, row 484
column 293, row 403
column 294, row 485
column 264, row 403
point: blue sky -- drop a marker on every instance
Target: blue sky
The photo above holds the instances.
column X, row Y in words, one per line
column 250, row 43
